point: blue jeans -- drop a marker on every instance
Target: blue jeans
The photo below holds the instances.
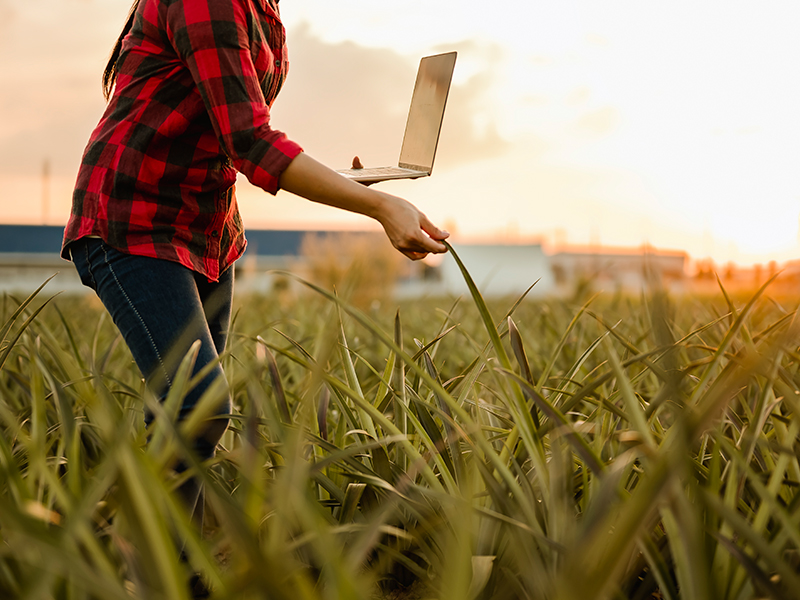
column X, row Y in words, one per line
column 161, row 308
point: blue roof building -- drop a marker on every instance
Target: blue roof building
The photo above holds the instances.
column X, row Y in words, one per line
column 46, row 239
column 30, row 239
column 29, row 254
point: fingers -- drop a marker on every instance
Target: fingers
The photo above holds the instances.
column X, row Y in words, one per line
column 432, row 236
column 420, row 245
column 430, row 245
column 432, row 230
column 414, row 255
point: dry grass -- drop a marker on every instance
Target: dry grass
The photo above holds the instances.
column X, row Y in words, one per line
column 610, row 449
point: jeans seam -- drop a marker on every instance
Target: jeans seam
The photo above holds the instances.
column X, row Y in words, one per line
column 138, row 316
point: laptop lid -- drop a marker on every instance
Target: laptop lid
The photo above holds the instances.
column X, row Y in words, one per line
column 426, row 113
column 423, row 125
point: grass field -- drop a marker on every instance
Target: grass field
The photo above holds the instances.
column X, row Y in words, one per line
column 590, row 448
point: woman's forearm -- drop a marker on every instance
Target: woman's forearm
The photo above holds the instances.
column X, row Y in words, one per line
column 314, row 181
column 408, row 229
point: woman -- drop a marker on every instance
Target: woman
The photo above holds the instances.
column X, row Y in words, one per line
column 155, row 227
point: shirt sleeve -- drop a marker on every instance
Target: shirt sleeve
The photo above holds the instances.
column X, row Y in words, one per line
column 212, row 37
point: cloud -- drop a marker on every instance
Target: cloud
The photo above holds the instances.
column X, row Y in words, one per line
column 470, row 131
column 50, row 96
column 45, row 123
column 465, row 136
column 343, row 99
column 8, row 15
column 340, row 100
column 598, row 122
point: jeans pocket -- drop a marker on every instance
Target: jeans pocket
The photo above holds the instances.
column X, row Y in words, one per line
column 80, row 251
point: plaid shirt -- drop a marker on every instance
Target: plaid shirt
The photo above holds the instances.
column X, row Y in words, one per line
column 190, row 109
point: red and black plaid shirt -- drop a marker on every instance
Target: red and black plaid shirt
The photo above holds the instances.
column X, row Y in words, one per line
column 190, row 109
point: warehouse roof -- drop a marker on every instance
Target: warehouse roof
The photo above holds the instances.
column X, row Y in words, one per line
column 46, row 239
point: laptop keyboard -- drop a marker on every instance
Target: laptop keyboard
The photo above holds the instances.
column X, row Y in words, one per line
column 374, row 172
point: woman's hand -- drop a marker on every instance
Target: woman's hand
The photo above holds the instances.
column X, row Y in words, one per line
column 409, row 230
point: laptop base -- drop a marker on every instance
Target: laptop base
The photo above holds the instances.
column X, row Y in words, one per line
column 376, row 174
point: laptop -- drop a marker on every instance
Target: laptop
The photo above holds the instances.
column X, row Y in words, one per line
column 424, row 123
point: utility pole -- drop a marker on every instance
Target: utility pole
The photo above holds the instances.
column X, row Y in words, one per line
column 45, row 191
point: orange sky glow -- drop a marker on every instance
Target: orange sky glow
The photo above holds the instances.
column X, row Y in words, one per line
column 621, row 123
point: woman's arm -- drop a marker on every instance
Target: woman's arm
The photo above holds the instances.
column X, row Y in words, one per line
column 213, row 40
column 408, row 229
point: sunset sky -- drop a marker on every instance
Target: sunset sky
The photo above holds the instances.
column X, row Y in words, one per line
column 570, row 121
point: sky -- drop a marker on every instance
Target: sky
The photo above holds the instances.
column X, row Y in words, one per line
column 621, row 123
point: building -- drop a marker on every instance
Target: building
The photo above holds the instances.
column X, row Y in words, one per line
column 619, row 270
column 496, row 269
column 29, row 254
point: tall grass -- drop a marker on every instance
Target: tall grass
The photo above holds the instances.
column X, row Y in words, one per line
column 603, row 449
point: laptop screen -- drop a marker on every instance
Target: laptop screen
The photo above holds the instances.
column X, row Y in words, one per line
column 427, row 111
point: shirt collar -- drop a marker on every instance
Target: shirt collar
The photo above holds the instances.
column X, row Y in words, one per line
column 270, row 6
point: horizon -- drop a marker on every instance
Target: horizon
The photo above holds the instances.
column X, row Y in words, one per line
column 693, row 263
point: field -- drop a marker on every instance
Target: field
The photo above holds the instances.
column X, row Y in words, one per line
column 578, row 449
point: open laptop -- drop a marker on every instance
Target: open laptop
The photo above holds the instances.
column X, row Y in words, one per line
column 424, row 123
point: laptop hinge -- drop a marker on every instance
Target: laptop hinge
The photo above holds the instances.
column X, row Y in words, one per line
column 413, row 167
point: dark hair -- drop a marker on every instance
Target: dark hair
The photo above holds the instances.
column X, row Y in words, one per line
column 110, row 73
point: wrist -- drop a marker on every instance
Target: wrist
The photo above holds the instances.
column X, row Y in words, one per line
column 376, row 204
